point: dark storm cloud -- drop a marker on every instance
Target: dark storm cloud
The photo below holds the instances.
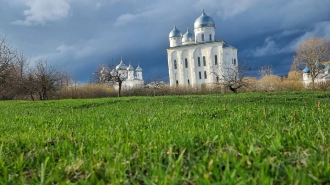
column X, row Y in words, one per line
column 80, row 35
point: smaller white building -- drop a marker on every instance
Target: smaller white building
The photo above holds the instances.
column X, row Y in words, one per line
column 322, row 77
column 131, row 77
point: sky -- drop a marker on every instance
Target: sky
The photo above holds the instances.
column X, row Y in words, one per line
column 80, row 35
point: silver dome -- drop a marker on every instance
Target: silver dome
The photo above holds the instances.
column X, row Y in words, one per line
column 138, row 69
column 175, row 32
column 113, row 72
column 306, row 70
column 130, row 68
column 204, row 21
column 327, row 68
column 188, row 36
column 121, row 65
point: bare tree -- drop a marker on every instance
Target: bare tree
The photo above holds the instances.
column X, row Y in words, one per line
column 232, row 77
column 18, row 80
column 156, row 83
column 19, row 74
column 311, row 53
column 44, row 79
column 106, row 75
column 7, row 57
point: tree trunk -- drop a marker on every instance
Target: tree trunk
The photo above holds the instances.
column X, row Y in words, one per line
column 31, row 95
column 119, row 89
column 233, row 89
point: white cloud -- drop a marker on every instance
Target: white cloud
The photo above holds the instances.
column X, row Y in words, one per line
column 125, row 18
column 321, row 29
column 226, row 8
column 270, row 46
column 98, row 5
column 43, row 11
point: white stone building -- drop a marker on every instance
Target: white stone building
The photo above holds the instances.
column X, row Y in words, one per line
column 322, row 77
column 196, row 59
column 131, row 78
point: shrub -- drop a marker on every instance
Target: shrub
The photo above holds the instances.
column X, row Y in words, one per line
column 86, row 91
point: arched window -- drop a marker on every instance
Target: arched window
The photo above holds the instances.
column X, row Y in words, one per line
column 202, row 36
column 215, row 60
column 175, row 66
column 186, row 62
column 205, row 75
column 210, row 37
column 199, row 61
column 200, row 75
column 204, row 61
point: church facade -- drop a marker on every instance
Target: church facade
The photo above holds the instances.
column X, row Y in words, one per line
column 196, row 59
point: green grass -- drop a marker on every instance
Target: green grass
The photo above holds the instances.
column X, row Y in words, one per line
column 258, row 138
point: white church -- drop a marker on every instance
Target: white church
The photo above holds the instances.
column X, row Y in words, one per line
column 322, row 77
column 196, row 59
column 131, row 77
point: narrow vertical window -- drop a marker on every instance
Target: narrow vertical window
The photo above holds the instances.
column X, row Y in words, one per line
column 199, row 61
column 177, row 83
column 200, row 75
column 204, row 61
column 175, row 66
column 217, row 79
column 188, row 82
column 202, row 36
column 234, row 61
column 205, row 75
column 186, row 63
column 215, row 60
column 210, row 37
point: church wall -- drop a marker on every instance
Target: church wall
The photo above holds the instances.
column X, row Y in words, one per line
column 201, row 52
column 130, row 75
column 227, row 61
column 230, row 65
column 139, row 75
column 197, row 53
column 175, row 69
column 129, row 84
column 207, row 32
column 195, row 73
column 175, row 41
column 216, row 61
column 186, row 69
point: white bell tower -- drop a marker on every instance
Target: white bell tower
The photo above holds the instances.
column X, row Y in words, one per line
column 175, row 37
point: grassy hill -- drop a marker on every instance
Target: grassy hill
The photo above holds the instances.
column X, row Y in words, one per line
column 248, row 138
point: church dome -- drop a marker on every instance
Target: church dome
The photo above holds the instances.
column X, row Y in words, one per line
column 318, row 65
column 306, row 70
column 188, row 36
column 175, row 33
column 138, row 69
column 204, row 21
column 121, row 65
column 113, row 72
column 130, row 68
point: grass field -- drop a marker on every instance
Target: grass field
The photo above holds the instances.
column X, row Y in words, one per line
column 248, row 138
